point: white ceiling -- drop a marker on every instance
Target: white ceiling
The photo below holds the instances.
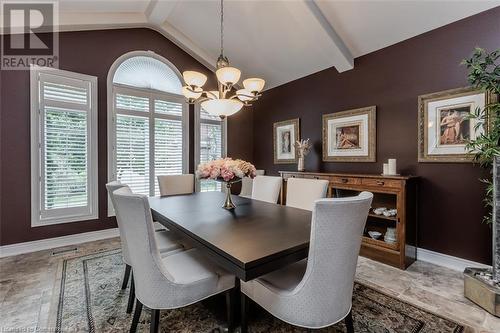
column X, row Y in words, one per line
column 278, row 40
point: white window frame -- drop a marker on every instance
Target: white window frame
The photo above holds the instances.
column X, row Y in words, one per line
column 39, row 217
column 114, row 88
column 197, row 148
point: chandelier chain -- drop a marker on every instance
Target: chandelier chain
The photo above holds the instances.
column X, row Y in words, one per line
column 222, row 27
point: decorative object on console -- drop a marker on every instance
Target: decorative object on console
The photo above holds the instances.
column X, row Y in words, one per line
column 445, row 125
column 390, row 236
column 374, row 234
column 482, row 286
column 285, row 133
column 218, row 102
column 350, row 136
column 303, row 148
column 228, row 171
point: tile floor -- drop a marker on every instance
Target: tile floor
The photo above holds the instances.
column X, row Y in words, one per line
column 29, row 285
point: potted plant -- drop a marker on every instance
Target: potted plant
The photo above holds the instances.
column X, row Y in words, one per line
column 482, row 286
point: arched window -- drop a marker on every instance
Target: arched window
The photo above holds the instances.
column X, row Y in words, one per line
column 147, row 121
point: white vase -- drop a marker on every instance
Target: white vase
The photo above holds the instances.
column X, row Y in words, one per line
column 300, row 164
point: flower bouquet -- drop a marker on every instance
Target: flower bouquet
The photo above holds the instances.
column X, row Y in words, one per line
column 228, row 171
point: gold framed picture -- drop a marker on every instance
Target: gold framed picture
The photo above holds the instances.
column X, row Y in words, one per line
column 350, row 136
column 443, row 126
column 285, row 134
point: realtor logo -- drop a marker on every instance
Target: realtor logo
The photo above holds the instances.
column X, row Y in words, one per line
column 28, row 34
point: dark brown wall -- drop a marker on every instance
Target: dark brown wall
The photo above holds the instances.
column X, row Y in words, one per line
column 93, row 53
column 451, row 205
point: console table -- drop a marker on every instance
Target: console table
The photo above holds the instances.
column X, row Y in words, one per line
column 392, row 192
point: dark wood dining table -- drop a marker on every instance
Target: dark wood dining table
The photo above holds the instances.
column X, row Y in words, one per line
column 249, row 241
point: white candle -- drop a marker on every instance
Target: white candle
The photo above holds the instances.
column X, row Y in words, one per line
column 392, row 166
column 386, row 168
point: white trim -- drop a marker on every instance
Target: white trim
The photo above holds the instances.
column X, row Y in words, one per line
column 444, row 260
column 50, row 243
column 91, row 211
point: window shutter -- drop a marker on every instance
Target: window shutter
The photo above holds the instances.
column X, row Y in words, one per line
column 148, row 138
column 65, row 155
column 132, row 152
column 63, row 122
column 168, row 149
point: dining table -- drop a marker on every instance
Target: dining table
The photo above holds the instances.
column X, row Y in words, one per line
column 249, row 241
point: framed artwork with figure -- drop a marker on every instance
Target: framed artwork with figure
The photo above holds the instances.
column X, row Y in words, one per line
column 350, row 136
column 285, row 134
column 443, row 124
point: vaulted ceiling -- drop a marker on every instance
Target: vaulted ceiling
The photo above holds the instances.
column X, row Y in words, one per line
column 278, row 40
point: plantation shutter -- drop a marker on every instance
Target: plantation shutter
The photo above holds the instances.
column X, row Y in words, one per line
column 149, row 138
column 132, row 152
column 169, row 139
column 64, row 146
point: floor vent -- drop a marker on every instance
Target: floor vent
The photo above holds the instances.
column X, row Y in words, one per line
column 64, row 251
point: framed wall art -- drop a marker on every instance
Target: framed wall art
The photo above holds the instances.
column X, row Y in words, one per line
column 443, row 126
column 350, row 136
column 285, row 134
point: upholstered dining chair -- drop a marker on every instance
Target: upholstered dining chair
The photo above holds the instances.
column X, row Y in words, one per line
column 302, row 193
column 247, row 185
column 166, row 240
column 317, row 292
column 266, row 188
column 171, row 282
column 176, row 184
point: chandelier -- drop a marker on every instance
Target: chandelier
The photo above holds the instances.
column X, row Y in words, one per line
column 229, row 98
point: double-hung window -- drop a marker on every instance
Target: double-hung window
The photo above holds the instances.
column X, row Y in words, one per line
column 210, row 144
column 63, row 146
column 148, row 137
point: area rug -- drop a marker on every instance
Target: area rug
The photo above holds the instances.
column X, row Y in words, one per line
column 91, row 300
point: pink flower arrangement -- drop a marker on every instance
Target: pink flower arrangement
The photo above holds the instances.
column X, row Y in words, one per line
column 226, row 169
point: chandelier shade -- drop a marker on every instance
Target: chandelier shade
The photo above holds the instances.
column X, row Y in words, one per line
column 254, row 84
column 228, row 75
column 190, row 94
column 222, row 107
column 194, row 79
column 244, row 95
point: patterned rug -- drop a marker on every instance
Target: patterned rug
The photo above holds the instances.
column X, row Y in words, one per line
column 90, row 300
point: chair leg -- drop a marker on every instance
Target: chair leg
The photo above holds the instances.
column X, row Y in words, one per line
column 155, row 321
column 349, row 322
column 230, row 310
column 137, row 316
column 126, row 276
column 131, row 295
column 244, row 313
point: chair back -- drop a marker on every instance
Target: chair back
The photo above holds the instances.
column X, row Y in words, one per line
column 111, row 187
column 302, row 193
column 266, row 188
column 336, row 231
column 247, row 185
column 176, row 184
column 152, row 280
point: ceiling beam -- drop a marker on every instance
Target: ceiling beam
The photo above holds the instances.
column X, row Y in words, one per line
column 157, row 14
column 341, row 56
column 158, row 11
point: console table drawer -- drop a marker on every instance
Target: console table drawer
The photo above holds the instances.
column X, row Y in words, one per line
column 345, row 180
column 381, row 182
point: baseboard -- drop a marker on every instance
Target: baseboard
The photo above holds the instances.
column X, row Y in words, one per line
column 448, row 261
column 50, row 243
